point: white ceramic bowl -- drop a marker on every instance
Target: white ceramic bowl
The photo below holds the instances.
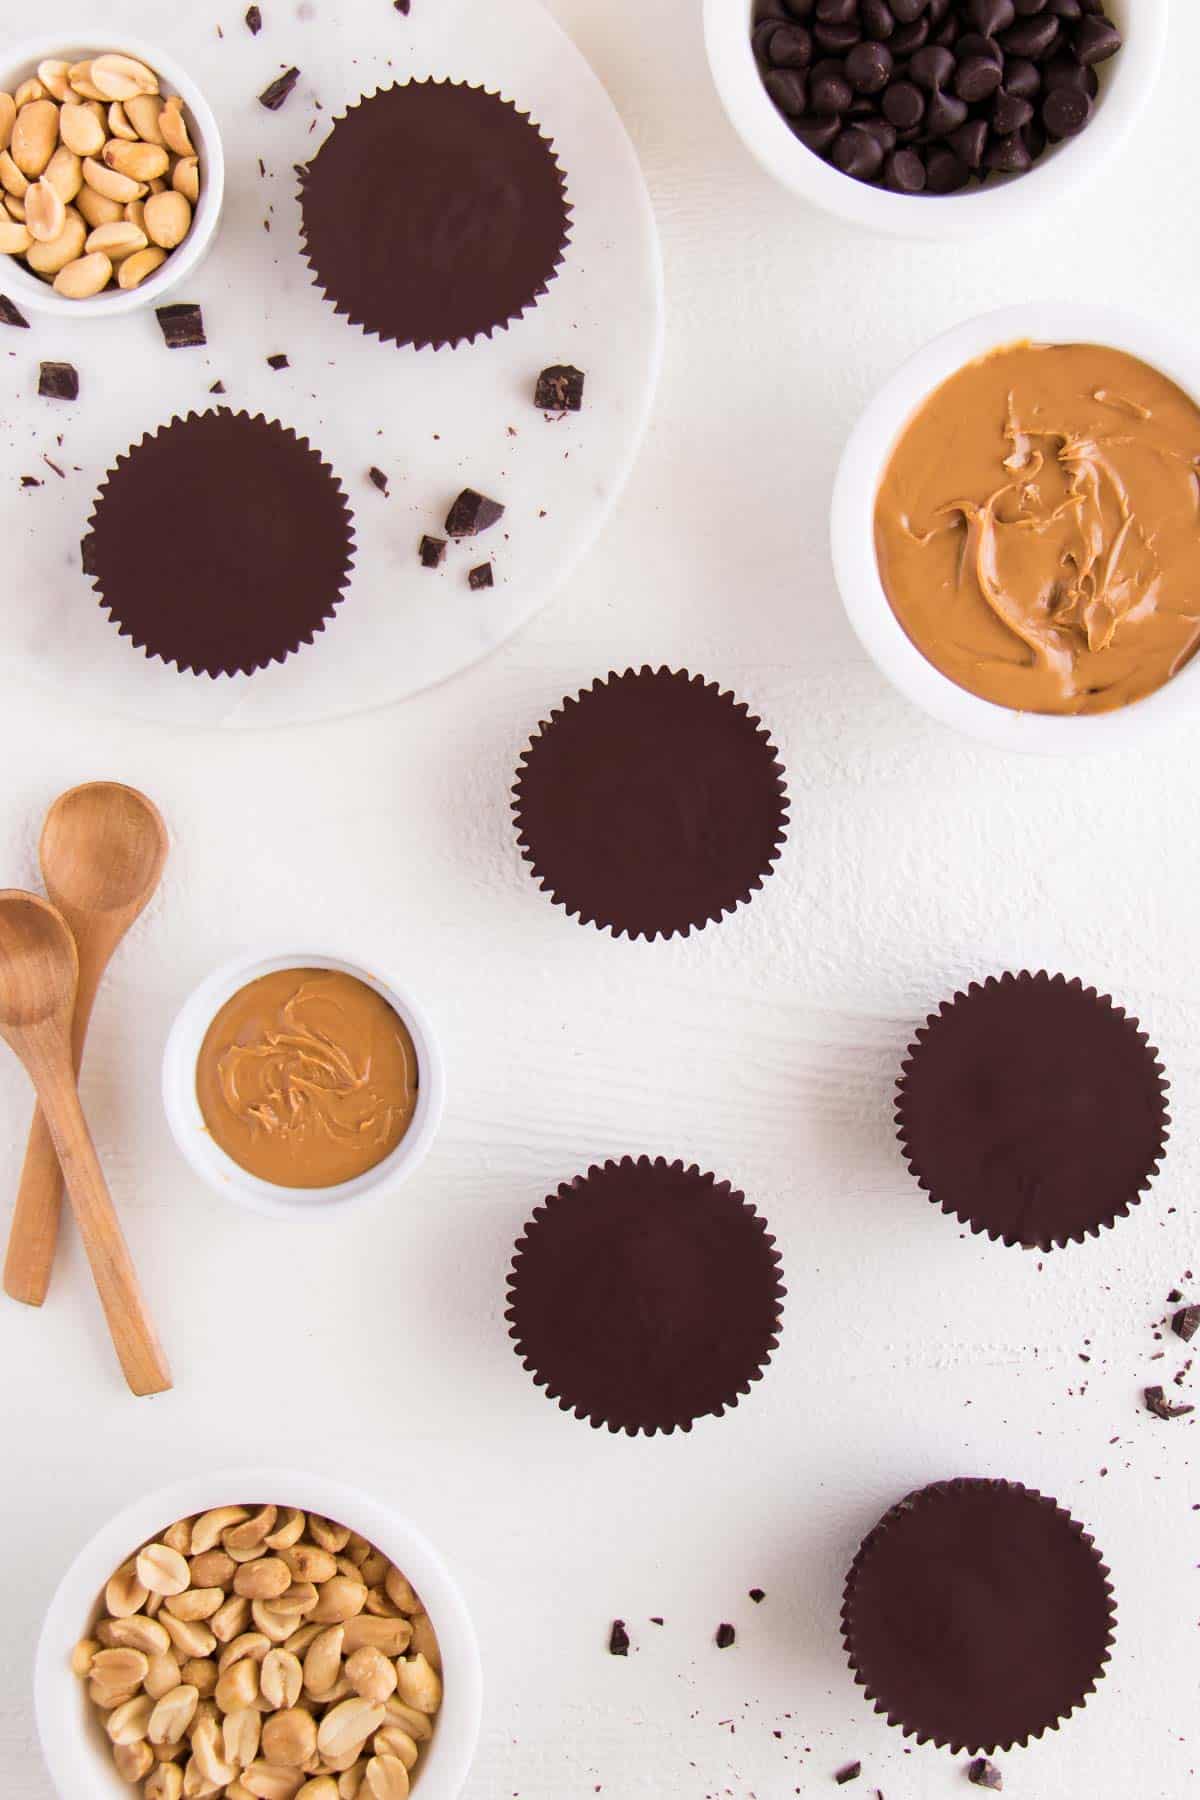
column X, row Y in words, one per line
column 1126, row 83
column 225, row 1176
column 853, row 531
column 74, row 45
column 76, row 1750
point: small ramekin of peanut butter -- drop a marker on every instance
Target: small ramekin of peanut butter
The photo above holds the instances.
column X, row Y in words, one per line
column 298, row 1082
column 1016, row 529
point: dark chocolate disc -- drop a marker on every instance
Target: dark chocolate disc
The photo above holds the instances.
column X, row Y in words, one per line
column 651, row 804
column 645, row 1295
column 1032, row 1108
column 434, row 213
column 221, row 543
column 978, row 1614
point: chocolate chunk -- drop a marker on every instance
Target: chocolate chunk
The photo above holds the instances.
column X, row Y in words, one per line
column 985, row 1775
column 254, row 20
column 11, row 314
column 218, row 387
column 726, row 1637
column 278, row 361
column 182, row 326
column 560, row 389
column 471, row 513
column 433, row 552
column 1186, row 1323
column 378, row 479
column 58, row 381
column 618, row 1640
column 757, row 1595
column 1161, row 1407
column 851, row 1772
column 481, row 576
column 273, row 97
column 1174, row 1297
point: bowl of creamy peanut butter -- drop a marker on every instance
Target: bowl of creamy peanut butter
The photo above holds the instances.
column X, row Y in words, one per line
column 1016, row 528
column 302, row 1081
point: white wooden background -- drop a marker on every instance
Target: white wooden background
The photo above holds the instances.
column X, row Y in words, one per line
column 764, row 1049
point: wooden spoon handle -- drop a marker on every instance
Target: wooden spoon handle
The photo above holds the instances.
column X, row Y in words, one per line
column 33, row 1234
column 134, row 1338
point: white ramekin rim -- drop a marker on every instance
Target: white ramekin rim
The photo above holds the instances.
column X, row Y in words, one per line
column 225, row 1176
column 1127, row 82
column 24, row 287
column 76, row 1752
column 852, row 528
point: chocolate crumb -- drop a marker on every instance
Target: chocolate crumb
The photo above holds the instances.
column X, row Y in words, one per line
column 378, row 479
column 472, row 513
column 1161, row 1407
column 11, row 314
column 278, row 361
column 985, row 1775
column 656, row 1621
column 757, row 1595
column 273, row 97
column 560, row 389
column 401, row 6
column 1186, row 1323
column 87, row 554
column 58, row 381
column 29, row 481
column 433, row 552
column 1174, row 1297
column 218, row 387
column 182, row 326
column 618, row 1642
column 482, row 577
column 254, row 20
column 851, row 1772
column 726, row 1637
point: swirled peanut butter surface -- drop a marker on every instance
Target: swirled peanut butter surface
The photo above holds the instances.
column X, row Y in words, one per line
column 1038, row 528
column 307, row 1078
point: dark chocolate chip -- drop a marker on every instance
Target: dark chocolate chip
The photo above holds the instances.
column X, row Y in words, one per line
column 378, row 479
column 904, row 172
column 851, row 1772
column 1008, row 156
column 907, row 11
column 869, row 67
column 985, row 1775
column 944, row 114
column 1022, row 77
column 791, row 47
column 481, row 576
column 907, row 38
column 58, row 381
column 618, row 1639
column 12, row 315
column 1065, row 112
column 932, row 67
column 837, row 12
column 990, row 16
column 904, row 105
column 273, row 97
column 761, row 38
column 726, row 1637
column 945, row 173
column 818, row 134
column 1096, row 40
column 182, row 326
column 828, row 93
column 472, row 512
column 970, row 141
column 976, row 77
column 1186, row 1323
column 856, row 152
column 1161, row 1407
column 254, row 20
column 560, row 389
column 882, row 131
column 878, row 19
column 1032, row 37
column 789, row 91
column 1010, row 113
column 278, row 361
column 433, row 552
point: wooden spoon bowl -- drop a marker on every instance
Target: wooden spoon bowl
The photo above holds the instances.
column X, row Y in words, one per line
column 39, row 966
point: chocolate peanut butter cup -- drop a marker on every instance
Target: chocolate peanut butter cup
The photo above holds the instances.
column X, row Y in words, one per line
column 645, row 1295
column 977, row 1614
column 651, row 803
column 220, row 543
column 434, row 213
column 1033, row 1109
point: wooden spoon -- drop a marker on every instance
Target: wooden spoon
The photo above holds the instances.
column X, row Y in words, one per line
column 39, row 969
column 102, row 851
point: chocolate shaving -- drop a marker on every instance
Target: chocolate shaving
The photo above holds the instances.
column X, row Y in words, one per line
column 618, row 1642
column 851, row 1772
column 1161, row 1407
column 985, row 1775
column 378, row 479
column 560, row 389
column 278, row 361
column 12, row 315
column 58, row 381
column 1186, row 1323
column 472, row 513
column 481, row 577
column 273, row 97
column 726, row 1637
column 433, row 551
column 182, row 326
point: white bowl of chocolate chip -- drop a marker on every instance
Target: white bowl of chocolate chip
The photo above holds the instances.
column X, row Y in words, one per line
column 1088, row 640
column 112, row 175
column 935, row 118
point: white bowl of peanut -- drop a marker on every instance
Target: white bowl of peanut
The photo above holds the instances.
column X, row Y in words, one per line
column 112, row 175
column 174, row 1661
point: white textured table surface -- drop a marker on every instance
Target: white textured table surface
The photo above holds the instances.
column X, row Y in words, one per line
column 764, row 1050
